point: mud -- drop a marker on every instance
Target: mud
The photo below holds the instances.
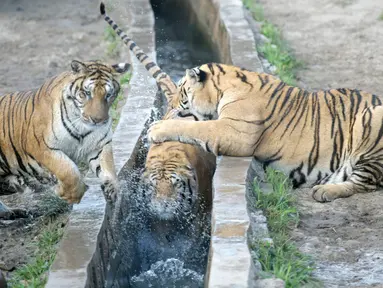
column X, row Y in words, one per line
column 339, row 43
column 38, row 39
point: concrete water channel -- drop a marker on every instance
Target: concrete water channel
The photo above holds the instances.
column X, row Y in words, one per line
column 119, row 246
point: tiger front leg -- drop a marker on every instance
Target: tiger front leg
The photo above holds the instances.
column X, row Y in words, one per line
column 221, row 137
column 102, row 164
column 71, row 186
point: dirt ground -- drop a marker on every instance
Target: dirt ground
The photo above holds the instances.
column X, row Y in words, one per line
column 339, row 42
column 38, row 39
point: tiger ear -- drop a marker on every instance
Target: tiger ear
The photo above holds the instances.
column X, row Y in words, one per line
column 78, row 67
column 196, row 75
column 121, row 68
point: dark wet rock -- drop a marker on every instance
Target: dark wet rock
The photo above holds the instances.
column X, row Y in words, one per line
column 3, row 282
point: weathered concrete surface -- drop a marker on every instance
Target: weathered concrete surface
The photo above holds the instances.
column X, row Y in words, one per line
column 270, row 283
column 79, row 242
column 230, row 258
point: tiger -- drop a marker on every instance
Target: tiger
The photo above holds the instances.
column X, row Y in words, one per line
column 178, row 179
column 48, row 132
column 178, row 176
column 329, row 140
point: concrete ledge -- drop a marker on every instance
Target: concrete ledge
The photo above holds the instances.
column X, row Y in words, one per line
column 230, row 261
column 79, row 242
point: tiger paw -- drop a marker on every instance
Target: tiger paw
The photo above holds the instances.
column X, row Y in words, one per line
column 12, row 184
column 330, row 192
column 12, row 214
column 110, row 189
column 161, row 131
column 72, row 195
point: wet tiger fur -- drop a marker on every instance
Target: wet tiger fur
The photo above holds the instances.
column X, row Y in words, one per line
column 49, row 131
column 178, row 176
column 178, row 179
column 331, row 139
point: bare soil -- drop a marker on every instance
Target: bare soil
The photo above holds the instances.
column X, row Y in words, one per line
column 339, row 42
column 38, row 39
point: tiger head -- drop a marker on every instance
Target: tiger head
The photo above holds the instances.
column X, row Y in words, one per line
column 94, row 89
column 198, row 94
column 170, row 182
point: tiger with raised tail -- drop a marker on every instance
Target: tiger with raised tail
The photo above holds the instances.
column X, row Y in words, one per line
column 178, row 176
column 331, row 139
column 45, row 133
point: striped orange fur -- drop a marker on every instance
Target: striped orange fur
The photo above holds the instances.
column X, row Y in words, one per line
column 331, row 139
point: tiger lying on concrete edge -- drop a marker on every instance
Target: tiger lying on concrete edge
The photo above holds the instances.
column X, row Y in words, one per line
column 331, row 139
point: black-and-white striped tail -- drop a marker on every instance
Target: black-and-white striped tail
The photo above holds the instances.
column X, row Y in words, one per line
column 163, row 80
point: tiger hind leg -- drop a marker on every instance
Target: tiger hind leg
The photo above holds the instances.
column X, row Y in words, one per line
column 364, row 178
column 364, row 171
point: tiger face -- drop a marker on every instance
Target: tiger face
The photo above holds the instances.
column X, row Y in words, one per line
column 171, row 188
column 94, row 90
column 198, row 95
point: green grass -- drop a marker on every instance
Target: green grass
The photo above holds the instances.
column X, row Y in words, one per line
column 380, row 16
column 110, row 36
column 53, row 206
column 125, row 78
column 34, row 274
column 281, row 257
column 276, row 51
column 112, row 50
column 255, row 9
column 124, row 81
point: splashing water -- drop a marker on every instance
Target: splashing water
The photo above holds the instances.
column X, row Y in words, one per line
column 136, row 247
column 170, row 273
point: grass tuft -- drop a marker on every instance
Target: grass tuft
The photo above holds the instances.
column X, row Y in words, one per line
column 124, row 81
column 275, row 51
column 255, row 9
column 53, row 206
column 281, row 257
column 125, row 78
column 34, row 274
column 110, row 36
column 112, row 50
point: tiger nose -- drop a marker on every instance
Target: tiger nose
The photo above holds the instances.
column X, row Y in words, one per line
column 98, row 120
